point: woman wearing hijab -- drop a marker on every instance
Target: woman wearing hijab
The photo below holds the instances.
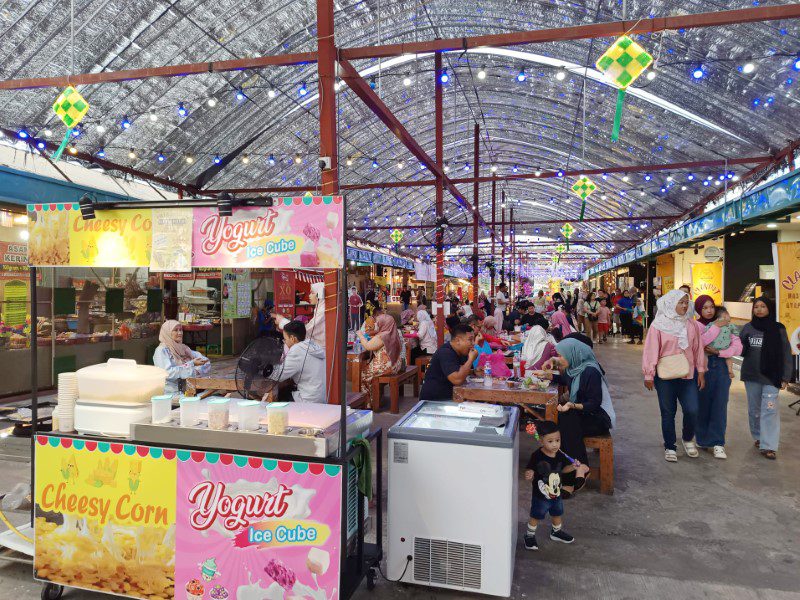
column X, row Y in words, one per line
column 561, row 325
column 674, row 364
column 589, row 410
column 427, row 336
column 490, row 333
column 766, row 369
column 538, row 348
column 712, row 413
column 387, row 351
column 315, row 327
column 406, row 317
column 176, row 358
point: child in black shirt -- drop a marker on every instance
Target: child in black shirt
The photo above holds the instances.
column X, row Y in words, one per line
column 544, row 469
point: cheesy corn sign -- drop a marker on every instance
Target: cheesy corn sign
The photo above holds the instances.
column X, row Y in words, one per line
column 105, row 516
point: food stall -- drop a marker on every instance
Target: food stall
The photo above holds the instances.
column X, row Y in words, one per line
column 219, row 498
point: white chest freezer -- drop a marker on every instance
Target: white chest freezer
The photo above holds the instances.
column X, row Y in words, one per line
column 453, row 498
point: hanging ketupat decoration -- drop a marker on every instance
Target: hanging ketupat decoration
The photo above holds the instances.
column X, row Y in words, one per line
column 396, row 236
column 567, row 230
column 70, row 107
column 583, row 188
column 621, row 65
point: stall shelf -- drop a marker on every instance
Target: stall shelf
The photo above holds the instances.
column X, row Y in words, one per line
column 204, row 521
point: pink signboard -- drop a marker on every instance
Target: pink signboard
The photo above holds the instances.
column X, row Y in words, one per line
column 294, row 232
column 255, row 529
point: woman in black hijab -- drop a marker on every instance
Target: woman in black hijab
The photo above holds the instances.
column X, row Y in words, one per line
column 766, row 368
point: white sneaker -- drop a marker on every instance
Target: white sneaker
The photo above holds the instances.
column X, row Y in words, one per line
column 719, row 452
column 691, row 449
column 670, row 456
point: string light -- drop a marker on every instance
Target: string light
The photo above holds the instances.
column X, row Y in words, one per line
column 303, row 89
column 101, row 153
column 482, row 72
column 154, row 116
column 132, row 154
column 521, row 76
column 271, row 160
column 493, row 169
column 690, row 177
column 125, row 123
column 217, row 159
column 561, row 75
column 23, row 135
column 298, row 159
column 73, row 149
column 245, row 160
column 212, row 102
column 182, row 110
column 101, row 129
column 374, row 163
column 444, row 77
column 349, row 161
column 466, row 166
column 272, row 94
column 446, row 168
column 161, row 158
column 626, row 179
column 515, row 168
column 698, row 73
column 748, row 68
column 189, row 160
column 400, row 164
column 407, row 80
column 77, row 131
column 240, row 95
column 41, row 145
column 651, row 74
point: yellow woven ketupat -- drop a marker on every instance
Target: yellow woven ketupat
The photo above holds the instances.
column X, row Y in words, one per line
column 71, row 107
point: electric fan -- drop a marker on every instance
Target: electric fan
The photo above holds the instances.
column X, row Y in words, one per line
column 255, row 365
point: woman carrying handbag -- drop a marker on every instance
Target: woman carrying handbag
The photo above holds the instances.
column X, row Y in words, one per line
column 674, row 364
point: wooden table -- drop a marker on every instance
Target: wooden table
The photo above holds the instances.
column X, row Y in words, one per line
column 409, row 339
column 354, row 362
column 220, row 381
column 501, row 394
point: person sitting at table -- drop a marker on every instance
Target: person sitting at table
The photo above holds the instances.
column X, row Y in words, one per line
column 561, row 325
column 449, row 323
column 368, row 326
column 513, row 319
column 406, row 317
column 387, row 353
column 490, row 333
column 450, row 365
column 588, row 411
column 315, row 328
column 266, row 324
column 532, row 317
column 426, row 343
column 539, row 347
column 177, row 359
column 304, row 364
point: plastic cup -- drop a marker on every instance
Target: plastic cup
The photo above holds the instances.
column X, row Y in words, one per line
column 190, row 411
column 277, row 418
column 218, row 413
column 248, row 415
column 162, row 407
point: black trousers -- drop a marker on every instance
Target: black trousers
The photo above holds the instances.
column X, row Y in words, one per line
column 574, row 426
column 416, row 352
column 626, row 319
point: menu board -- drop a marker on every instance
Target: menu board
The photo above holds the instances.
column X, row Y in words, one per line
column 15, row 303
column 236, row 300
column 172, row 240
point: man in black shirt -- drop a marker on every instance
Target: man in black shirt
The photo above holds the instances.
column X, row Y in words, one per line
column 450, row 365
column 405, row 298
column 532, row 318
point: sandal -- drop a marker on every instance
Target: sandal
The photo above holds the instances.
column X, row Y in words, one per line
column 769, row 454
column 580, row 482
column 757, row 444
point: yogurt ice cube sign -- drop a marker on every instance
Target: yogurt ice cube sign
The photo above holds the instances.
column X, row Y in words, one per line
column 255, row 529
column 295, row 232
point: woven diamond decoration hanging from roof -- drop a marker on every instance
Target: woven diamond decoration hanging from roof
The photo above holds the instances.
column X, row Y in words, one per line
column 71, row 107
column 584, row 188
column 396, row 236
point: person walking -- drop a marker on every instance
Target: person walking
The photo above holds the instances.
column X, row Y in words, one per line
column 592, row 308
column 500, row 303
column 712, row 413
column 580, row 310
column 625, row 305
column 674, row 364
column 766, row 369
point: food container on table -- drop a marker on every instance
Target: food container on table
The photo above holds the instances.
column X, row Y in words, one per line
column 277, row 418
column 218, row 413
column 162, row 408
column 120, row 380
column 248, row 415
column 190, row 411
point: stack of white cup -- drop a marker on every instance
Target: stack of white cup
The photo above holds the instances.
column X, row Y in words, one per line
column 67, row 395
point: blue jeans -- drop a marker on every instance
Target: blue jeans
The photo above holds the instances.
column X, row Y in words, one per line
column 670, row 392
column 712, row 413
column 765, row 418
column 540, row 507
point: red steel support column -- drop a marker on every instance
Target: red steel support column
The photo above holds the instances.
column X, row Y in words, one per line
column 475, row 206
column 503, row 235
column 326, row 69
column 512, row 280
column 437, row 71
column 494, row 208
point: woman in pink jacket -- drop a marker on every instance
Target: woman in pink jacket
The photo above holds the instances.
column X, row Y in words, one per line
column 673, row 332
column 712, row 414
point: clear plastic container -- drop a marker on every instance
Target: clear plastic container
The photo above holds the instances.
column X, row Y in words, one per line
column 249, row 411
column 190, row 411
column 218, row 413
column 162, row 408
column 277, row 418
column 120, row 380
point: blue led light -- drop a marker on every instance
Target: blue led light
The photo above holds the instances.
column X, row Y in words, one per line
column 303, row 89
column 444, row 77
column 125, row 123
column 374, row 163
column 23, row 135
column 560, row 173
column 515, row 168
column 797, row 64
column 690, row 177
column 705, row 182
column 698, row 73
column 756, row 101
column 770, row 100
column 182, row 110
column 240, row 95
column 217, row 159
column 101, row 153
column 77, row 132
column 161, row 157
column 271, row 160
column 647, row 177
column 41, row 145
column 521, row 76
column 466, row 166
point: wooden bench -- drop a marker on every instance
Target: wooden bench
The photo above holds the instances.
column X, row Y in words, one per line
column 357, row 399
column 394, row 382
column 422, row 363
column 604, row 444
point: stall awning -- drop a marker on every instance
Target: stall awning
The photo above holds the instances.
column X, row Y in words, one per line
column 309, row 276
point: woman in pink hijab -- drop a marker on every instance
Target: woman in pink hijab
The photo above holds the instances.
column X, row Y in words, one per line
column 387, row 354
column 559, row 321
column 176, row 358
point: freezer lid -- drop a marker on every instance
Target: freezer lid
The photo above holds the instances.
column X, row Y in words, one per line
column 443, row 422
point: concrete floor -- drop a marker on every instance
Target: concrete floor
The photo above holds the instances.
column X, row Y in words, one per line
column 701, row 528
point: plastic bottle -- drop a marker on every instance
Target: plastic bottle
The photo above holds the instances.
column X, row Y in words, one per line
column 516, row 364
column 487, row 375
column 357, row 346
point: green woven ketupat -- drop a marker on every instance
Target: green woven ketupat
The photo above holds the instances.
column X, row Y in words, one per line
column 621, row 65
column 567, row 230
column 583, row 188
column 71, row 107
column 396, row 236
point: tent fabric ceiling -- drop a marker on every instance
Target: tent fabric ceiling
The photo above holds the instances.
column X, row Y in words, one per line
column 538, row 123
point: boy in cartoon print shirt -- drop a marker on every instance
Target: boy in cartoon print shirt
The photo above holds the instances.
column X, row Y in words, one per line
column 544, row 469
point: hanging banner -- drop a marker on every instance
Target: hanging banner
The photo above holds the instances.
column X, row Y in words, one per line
column 172, row 240
column 58, row 235
column 707, row 279
column 786, row 256
column 236, row 300
column 105, row 517
column 295, row 232
column 257, row 528
column 13, row 261
column 149, row 522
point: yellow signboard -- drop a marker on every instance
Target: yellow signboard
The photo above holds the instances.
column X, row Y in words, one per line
column 707, row 279
column 59, row 235
column 115, row 501
column 787, row 288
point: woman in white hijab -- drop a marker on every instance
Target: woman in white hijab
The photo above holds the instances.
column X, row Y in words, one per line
column 674, row 364
column 539, row 346
column 315, row 328
column 427, row 335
